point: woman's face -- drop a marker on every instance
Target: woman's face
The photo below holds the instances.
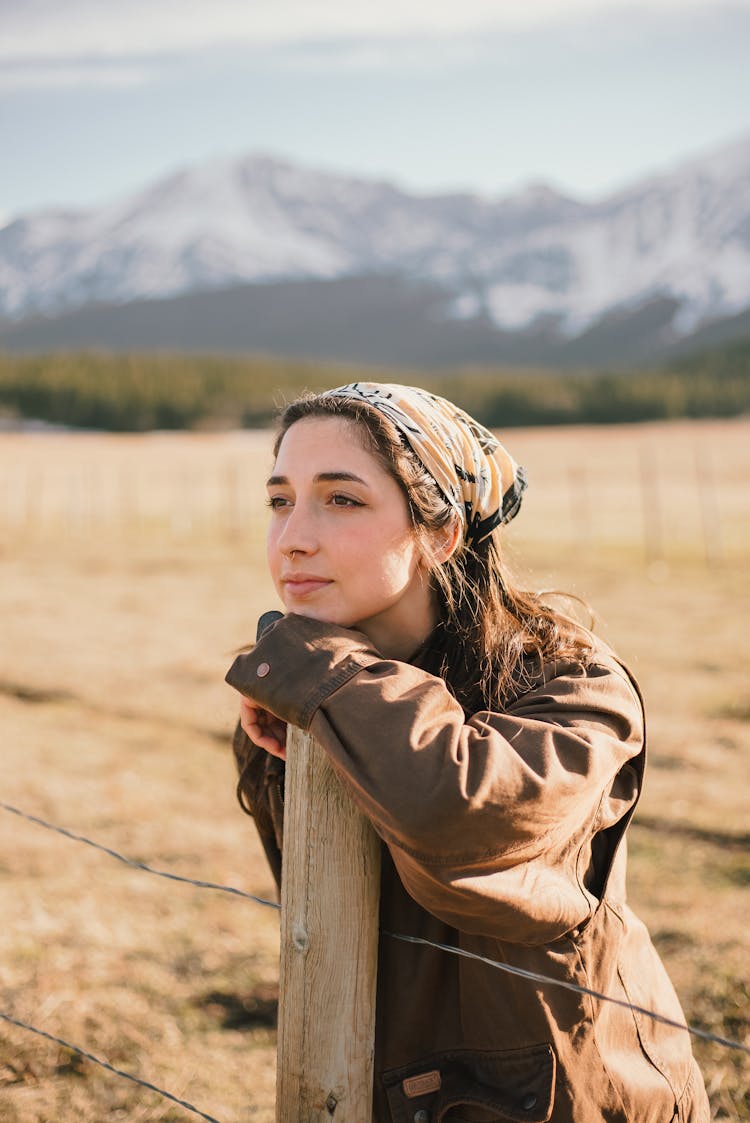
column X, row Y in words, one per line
column 341, row 547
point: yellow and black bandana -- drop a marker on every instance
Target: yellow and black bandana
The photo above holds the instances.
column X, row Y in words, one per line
column 477, row 476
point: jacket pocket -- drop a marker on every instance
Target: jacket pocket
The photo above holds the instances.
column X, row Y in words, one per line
column 474, row 1086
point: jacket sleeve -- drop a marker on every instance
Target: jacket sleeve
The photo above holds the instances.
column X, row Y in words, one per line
column 489, row 820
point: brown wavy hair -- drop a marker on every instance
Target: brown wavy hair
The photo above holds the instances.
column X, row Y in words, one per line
column 493, row 638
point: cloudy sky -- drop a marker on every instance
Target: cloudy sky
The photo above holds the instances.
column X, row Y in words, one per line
column 98, row 99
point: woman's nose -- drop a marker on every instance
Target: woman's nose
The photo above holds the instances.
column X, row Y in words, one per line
column 298, row 536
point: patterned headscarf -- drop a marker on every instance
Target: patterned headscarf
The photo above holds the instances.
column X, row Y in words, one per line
column 472, row 470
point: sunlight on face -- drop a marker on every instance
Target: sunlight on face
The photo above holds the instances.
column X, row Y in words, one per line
column 341, row 547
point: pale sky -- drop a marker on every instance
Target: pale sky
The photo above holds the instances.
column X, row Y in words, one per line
column 98, row 99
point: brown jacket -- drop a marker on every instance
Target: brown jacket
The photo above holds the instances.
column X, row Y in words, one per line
column 503, row 836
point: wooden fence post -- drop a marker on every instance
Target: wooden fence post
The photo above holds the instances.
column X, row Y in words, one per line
column 329, row 943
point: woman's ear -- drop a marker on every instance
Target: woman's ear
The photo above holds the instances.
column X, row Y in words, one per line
column 444, row 542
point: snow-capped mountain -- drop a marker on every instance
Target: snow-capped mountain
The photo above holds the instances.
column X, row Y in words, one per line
column 256, row 219
column 520, row 262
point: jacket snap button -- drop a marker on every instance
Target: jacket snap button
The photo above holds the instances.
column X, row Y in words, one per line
column 263, row 669
column 528, row 1102
column 421, row 1116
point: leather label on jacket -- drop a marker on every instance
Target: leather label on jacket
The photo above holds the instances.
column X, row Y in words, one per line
column 423, row 1084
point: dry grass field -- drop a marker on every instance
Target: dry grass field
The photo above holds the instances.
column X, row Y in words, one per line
column 130, row 570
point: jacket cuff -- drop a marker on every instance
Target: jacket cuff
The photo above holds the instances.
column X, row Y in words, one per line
column 297, row 664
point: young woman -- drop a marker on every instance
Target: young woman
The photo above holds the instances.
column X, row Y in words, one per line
column 498, row 750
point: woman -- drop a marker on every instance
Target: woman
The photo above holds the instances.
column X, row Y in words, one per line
column 498, row 750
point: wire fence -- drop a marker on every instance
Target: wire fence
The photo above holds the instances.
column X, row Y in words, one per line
column 684, row 499
column 531, row 976
column 135, row 864
column 106, row 1065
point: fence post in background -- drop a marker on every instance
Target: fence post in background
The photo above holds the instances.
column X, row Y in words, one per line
column 183, row 506
column 580, row 506
column 32, row 501
column 74, row 505
column 125, row 503
column 329, row 942
column 650, row 506
column 710, row 520
column 232, row 500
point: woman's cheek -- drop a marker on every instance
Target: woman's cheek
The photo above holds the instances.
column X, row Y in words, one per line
column 273, row 560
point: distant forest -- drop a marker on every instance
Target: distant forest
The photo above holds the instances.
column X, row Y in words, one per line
column 139, row 392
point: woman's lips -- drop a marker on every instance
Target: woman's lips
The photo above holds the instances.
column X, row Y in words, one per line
column 304, row 586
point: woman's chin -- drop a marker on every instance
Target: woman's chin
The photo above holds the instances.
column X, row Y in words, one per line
column 329, row 616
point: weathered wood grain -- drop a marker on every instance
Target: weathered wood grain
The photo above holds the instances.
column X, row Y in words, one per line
column 329, row 934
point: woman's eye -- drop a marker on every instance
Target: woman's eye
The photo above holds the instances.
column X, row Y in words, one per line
column 276, row 502
column 345, row 501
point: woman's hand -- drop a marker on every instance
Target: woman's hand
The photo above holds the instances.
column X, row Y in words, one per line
column 263, row 728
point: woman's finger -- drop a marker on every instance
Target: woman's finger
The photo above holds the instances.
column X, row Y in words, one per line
column 263, row 728
column 267, row 741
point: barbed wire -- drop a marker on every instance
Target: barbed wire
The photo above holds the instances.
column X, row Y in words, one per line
column 135, row 864
column 535, row 977
column 110, row 1068
column 532, row 976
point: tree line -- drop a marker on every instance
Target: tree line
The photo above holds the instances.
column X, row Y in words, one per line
column 139, row 392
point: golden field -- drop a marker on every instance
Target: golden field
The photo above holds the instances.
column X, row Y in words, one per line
column 131, row 568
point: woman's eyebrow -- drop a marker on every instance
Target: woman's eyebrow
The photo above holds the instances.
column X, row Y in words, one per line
column 327, row 477
column 321, row 477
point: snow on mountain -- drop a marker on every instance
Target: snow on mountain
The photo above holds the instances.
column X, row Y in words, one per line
column 531, row 257
column 685, row 234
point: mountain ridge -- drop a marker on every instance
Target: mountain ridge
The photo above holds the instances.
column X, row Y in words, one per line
column 535, row 263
